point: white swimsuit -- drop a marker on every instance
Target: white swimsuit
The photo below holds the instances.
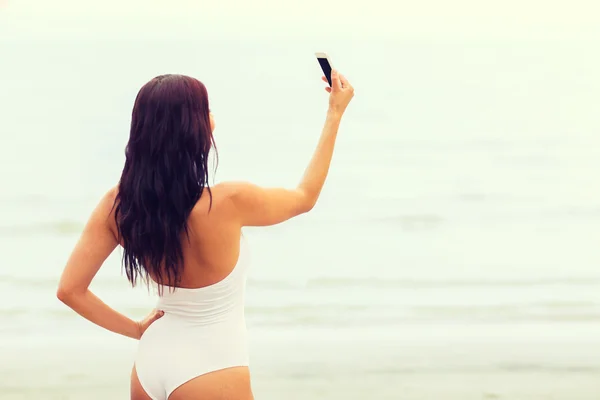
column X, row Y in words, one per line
column 203, row 330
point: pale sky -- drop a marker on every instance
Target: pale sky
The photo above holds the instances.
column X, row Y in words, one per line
column 424, row 18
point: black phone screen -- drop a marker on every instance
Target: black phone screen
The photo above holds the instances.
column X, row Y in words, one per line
column 326, row 68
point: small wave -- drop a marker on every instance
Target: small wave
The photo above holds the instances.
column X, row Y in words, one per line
column 274, row 284
column 412, row 222
column 31, row 199
column 549, row 368
column 35, row 282
column 567, row 311
column 351, row 314
column 332, row 283
column 29, row 281
column 340, row 315
column 307, row 309
column 64, row 227
column 325, row 282
column 474, row 370
column 60, row 312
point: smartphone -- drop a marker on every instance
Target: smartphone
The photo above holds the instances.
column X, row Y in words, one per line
column 325, row 65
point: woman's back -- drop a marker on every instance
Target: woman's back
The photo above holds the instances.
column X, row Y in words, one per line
column 212, row 244
column 203, row 330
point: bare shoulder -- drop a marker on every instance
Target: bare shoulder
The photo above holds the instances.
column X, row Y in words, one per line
column 216, row 201
column 106, row 208
column 232, row 192
column 111, row 196
column 107, row 202
column 221, row 203
column 238, row 194
column 230, row 189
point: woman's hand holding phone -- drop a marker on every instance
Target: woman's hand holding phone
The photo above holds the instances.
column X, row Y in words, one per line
column 341, row 92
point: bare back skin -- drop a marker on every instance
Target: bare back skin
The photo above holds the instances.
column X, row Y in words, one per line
column 208, row 257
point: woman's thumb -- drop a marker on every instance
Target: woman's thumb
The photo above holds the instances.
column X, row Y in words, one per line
column 158, row 314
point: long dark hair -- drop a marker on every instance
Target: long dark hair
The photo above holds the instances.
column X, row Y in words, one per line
column 165, row 173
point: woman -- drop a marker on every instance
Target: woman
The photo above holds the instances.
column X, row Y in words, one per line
column 185, row 237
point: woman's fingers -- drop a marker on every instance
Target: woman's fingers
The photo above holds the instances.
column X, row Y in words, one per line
column 336, row 82
column 345, row 82
column 157, row 315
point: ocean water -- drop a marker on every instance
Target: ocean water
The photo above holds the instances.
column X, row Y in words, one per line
column 453, row 253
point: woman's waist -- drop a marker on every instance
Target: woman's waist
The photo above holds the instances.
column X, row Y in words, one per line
column 203, row 314
column 172, row 330
column 202, row 323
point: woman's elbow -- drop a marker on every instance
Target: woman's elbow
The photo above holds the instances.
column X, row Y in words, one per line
column 305, row 206
column 65, row 295
column 62, row 294
column 308, row 202
column 310, row 205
